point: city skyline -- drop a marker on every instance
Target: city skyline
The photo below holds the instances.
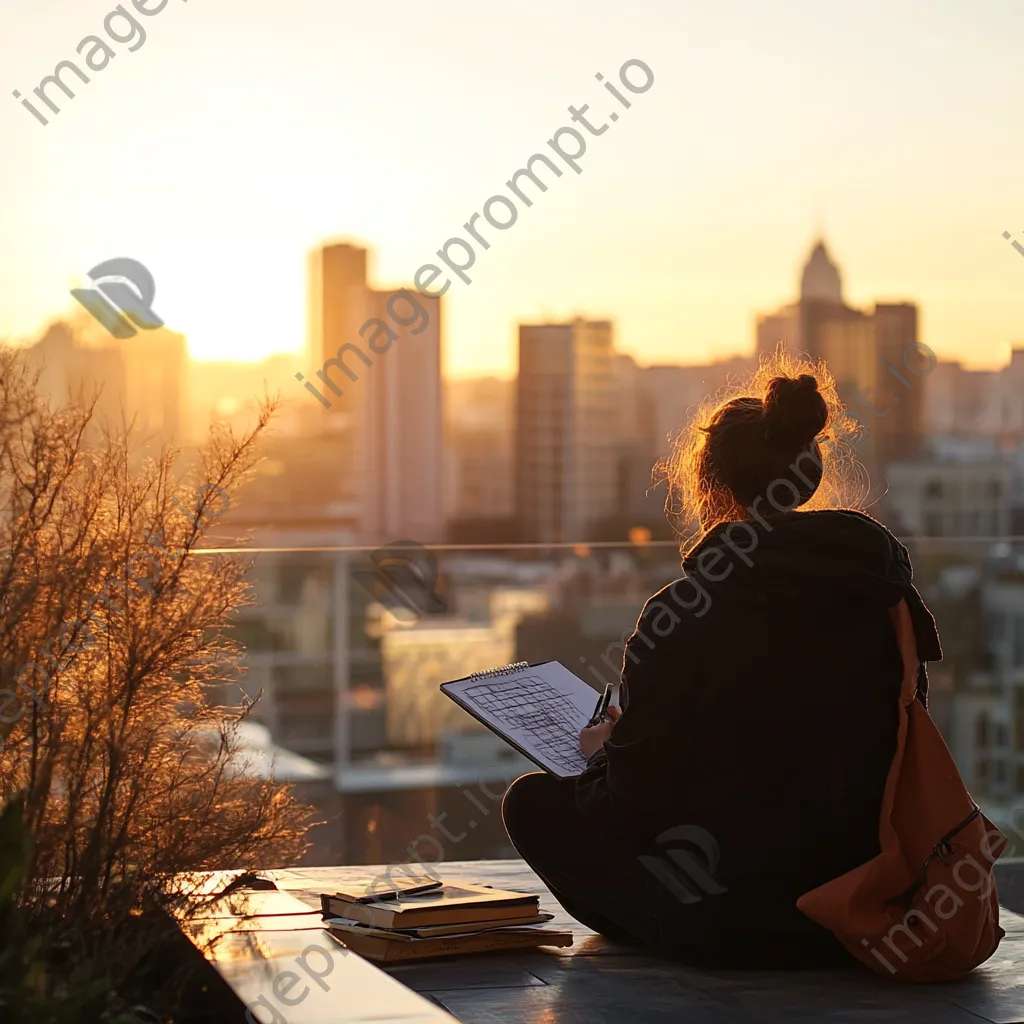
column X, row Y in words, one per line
column 690, row 217
column 767, row 329
column 507, row 371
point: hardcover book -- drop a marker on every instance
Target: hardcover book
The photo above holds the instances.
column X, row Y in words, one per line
column 390, row 947
column 456, row 903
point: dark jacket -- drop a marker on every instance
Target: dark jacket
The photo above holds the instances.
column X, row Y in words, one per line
column 760, row 704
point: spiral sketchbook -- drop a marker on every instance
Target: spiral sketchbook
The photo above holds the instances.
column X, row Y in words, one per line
column 538, row 709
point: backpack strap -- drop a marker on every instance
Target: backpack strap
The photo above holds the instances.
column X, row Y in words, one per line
column 903, row 624
column 907, row 640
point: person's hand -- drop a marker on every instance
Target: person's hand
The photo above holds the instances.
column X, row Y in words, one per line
column 593, row 736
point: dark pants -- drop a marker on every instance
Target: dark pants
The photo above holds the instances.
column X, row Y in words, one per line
column 597, row 876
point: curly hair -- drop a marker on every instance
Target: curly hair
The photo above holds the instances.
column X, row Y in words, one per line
column 785, row 427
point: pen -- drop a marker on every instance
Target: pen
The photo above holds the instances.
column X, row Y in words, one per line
column 602, row 707
column 395, row 894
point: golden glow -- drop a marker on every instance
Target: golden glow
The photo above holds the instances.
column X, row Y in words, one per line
column 242, row 135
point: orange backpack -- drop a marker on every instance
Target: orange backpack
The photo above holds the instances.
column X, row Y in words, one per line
column 926, row 908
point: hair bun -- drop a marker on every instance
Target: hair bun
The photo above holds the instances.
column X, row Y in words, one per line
column 794, row 411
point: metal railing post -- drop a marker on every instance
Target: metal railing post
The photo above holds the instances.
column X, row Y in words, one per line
column 340, row 659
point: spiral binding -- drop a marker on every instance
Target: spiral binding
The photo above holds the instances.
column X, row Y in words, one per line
column 504, row 670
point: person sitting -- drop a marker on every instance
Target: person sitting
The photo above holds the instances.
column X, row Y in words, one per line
column 759, row 701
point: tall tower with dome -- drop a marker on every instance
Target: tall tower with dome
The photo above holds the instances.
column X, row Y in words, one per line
column 821, row 293
column 821, row 281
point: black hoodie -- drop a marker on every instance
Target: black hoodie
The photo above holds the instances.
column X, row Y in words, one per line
column 760, row 704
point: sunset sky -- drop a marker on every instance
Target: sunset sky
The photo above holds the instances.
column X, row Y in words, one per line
column 244, row 132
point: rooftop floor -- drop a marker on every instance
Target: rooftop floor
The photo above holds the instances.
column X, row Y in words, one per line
column 593, row 981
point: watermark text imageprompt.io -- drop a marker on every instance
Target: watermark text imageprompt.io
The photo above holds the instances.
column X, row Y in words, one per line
column 284, row 982
column 1014, row 243
column 264, row 1009
column 636, row 77
column 459, row 254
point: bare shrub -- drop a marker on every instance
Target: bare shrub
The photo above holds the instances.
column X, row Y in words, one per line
column 111, row 631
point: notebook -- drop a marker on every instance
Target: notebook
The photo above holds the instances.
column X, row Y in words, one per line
column 538, row 709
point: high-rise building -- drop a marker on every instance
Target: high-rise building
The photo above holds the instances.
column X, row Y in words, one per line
column 986, row 732
column 677, row 392
column 417, row 659
column 68, row 368
column 1003, row 413
column 337, row 301
column 821, row 308
column 984, row 403
column 957, row 399
column 635, row 431
column 479, row 455
column 779, row 328
column 946, row 497
column 565, row 448
column 403, row 426
column 900, row 384
column 380, row 352
column 845, row 339
column 797, row 326
column 821, row 280
column 139, row 380
column 155, row 364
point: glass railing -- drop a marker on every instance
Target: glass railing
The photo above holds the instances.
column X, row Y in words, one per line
column 346, row 649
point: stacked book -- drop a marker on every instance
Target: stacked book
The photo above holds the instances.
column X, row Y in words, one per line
column 439, row 919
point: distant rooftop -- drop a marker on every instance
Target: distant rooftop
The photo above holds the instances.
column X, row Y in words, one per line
column 259, row 757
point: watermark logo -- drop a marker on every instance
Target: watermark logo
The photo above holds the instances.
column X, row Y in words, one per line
column 403, row 579
column 123, row 296
column 1014, row 243
column 687, row 865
